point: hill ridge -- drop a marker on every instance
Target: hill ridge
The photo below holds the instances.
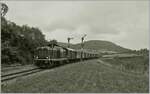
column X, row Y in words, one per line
column 100, row 45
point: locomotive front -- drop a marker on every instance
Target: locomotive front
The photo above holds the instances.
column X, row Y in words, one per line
column 46, row 57
column 41, row 56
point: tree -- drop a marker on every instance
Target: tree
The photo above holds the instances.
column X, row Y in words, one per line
column 4, row 9
column 18, row 43
column 53, row 43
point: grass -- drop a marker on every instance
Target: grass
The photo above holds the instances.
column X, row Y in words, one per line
column 136, row 64
column 89, row 77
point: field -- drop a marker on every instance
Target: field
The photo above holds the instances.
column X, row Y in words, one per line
column 88, row 77
column 132, row 64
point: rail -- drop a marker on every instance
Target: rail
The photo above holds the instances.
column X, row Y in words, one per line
column 11, row 76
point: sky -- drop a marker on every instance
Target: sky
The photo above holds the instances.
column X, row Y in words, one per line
column 125, row 23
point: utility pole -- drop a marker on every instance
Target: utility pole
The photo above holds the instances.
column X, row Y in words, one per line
column 82, row 40
column 69, row 41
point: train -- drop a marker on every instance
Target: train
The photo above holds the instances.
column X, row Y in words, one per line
column 48, row 56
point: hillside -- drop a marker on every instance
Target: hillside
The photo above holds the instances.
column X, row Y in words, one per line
column 98, row 45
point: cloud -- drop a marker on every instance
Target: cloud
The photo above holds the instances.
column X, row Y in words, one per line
column 116, row 21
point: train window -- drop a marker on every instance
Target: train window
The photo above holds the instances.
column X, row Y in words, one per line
column 58, row 54
column 42, row 53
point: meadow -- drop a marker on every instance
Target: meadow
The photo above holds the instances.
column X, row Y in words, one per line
column 86, row 77
column 132, row 64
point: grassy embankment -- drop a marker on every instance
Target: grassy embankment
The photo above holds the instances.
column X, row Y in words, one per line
column 91, row 76
column 130, row 64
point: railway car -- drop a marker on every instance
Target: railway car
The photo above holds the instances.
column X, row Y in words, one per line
column 71, row 54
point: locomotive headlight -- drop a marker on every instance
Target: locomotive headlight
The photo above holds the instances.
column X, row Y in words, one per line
column 46, row 57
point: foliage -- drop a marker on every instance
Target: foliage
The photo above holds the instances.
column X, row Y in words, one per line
column 52, row 43
column 143, row 52
column 18, row 42
column 4, row 9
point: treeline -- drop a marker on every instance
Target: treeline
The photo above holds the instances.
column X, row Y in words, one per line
column 18, row 42
column 142, row 52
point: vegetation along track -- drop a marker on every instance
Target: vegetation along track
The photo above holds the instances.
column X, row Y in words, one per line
column 19, row 74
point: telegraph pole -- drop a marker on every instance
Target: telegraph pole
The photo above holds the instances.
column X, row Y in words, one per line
column 82, row 40
column 69, row 41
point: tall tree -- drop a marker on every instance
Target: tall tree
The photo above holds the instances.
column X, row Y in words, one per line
column 4, row 9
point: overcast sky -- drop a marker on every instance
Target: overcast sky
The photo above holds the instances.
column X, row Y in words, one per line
column 125, row 23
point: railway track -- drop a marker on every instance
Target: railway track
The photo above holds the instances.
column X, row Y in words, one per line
column 11, row 76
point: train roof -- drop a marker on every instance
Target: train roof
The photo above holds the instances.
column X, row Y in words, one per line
column 70, row 49
column 44, row 47
column 47, row 48
column 86, row 51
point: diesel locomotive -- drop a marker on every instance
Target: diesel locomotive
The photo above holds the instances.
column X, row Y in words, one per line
column 51, row 56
